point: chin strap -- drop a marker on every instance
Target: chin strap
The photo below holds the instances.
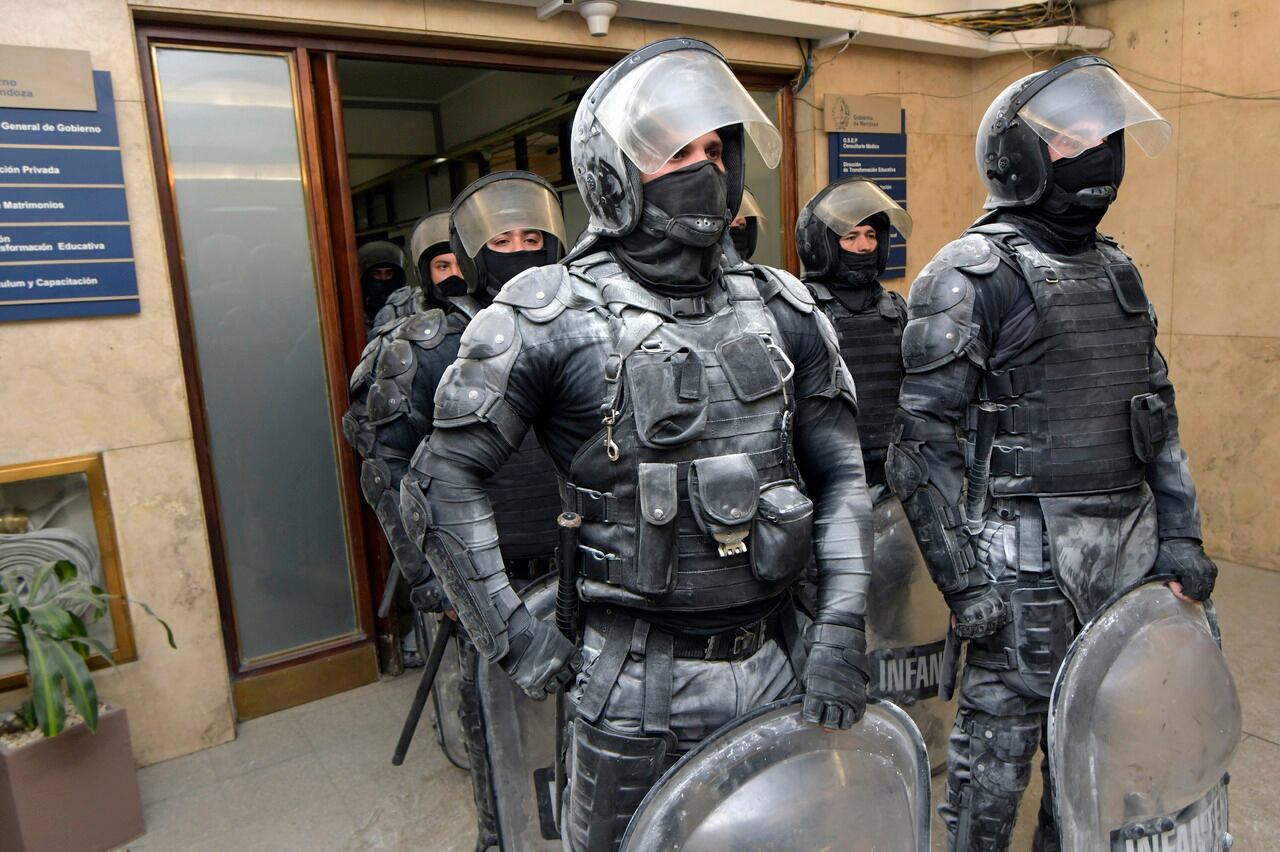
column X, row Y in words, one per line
column 696, row 230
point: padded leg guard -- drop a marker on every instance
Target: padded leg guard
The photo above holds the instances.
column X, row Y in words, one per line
column 477, row 754
column 612, row 772
column 988, row 769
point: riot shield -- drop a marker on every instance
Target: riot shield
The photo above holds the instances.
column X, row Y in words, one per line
column 769, row 781
column 1143, row 723
column 445, row 700
column 906, row 629
column 520, row 735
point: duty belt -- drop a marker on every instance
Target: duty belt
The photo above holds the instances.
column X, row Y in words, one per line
column 731, row 645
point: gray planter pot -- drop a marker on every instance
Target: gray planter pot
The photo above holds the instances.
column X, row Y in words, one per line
column 78, row 790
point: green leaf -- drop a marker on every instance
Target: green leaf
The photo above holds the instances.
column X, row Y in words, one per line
column 65, row 570
column 84, row 697
column 43, row 573
column 53, row 620
column 28, row 714
column 89, row 643
column 46, row 688
column 168, row 631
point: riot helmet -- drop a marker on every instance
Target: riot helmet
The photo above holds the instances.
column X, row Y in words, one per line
column 1068, row 110
column 744, row 230
column 644, row 110
column 383, row 270
column 494, row 205
column 836, row 210
column 429, row 243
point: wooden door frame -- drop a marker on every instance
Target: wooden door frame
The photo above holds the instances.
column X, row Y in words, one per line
column 332, row 228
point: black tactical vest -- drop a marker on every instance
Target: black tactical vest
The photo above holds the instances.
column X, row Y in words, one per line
column 1077, row 415
column 688, row 496
column 871, row 345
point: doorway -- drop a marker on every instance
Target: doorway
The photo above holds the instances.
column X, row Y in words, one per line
column 278, row 156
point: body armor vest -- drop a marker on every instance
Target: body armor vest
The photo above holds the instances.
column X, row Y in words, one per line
column 688, row 496
column 1077, row 413
column 871, row 345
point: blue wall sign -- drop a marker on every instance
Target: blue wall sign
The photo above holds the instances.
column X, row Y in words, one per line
column 65, row 246
column 882, row 157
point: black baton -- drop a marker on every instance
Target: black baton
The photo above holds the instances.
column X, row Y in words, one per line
column 443, row 635
column 975, row 504
column 566, row 623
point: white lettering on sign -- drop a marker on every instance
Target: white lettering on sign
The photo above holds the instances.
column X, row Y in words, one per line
column 81, row 246
column 32, row 205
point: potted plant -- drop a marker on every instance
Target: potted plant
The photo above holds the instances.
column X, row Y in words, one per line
column 67, row 775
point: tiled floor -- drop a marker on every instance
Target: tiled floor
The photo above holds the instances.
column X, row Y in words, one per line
column 319, row 777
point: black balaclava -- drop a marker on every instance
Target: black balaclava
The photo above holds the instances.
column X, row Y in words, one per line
column 452, row 287
column 496, row 268
column 675, row 250
column 856, row 273
column 375, row 292
column 1083, row 188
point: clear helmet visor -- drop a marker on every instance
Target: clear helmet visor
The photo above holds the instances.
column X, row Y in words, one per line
column 750, row 208
column 1083, row 107
column 507, row 205
column 850, row 204
column 668, row 101
column 433, row 229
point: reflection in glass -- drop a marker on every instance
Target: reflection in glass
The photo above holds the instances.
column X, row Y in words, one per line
column 232, row 139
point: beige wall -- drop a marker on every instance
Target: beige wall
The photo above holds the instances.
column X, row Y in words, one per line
column 1203, row 222
column 115, row 385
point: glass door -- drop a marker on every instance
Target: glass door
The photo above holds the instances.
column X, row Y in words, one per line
column 285, row 518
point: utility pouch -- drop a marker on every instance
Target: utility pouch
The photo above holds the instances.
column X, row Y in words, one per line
column 1127, row 284
column 1043, row 624
column 1148, row 425
column 669, row 396
column 749, row 367
column 782, row 535
column 657, row 530
column 723, row 491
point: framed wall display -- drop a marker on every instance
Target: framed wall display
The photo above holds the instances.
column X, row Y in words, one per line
column 54, row 510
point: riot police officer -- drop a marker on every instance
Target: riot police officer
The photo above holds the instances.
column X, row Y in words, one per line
column 1035, row 329
column 680, row 399
column 393, row 389
column 843, row 239
column 383, row 271
column 439, row 281
column 744, row 230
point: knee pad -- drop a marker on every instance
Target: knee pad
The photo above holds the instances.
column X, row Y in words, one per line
column 612, row 772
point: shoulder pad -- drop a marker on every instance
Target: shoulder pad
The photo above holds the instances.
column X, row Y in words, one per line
column 973, row 253
column 395, row 358
column 892, row 306
column 425, row 329
column 490, row 334
column 534, row 293
column 777, row 282
column 940, row 311
column 400, row 298
column 821, row 292
column 368, row 358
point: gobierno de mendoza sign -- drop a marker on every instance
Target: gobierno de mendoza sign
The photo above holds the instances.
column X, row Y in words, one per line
column 65, row 245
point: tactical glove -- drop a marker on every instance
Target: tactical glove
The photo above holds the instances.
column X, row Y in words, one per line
column 540, row 660
column 835, row 677
column 1185, row 559
column 979, row 612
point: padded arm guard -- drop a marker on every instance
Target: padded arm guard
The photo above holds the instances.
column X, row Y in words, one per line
column 938, row 524
column 1169, row 475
